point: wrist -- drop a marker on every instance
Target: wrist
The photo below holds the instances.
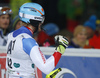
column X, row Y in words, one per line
column 61, row 49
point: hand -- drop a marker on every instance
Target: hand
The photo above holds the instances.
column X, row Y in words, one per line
column 61, row 43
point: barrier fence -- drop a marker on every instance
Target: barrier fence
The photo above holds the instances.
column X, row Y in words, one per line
column 83, row 62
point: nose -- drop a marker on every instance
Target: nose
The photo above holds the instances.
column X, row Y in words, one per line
column 6, row 20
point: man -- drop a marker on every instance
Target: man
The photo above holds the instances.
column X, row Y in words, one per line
column 23, row 51
column 93, row 38
column 5, row 13
column 91, row 26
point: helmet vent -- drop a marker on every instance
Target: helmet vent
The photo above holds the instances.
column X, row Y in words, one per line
column 23, row 15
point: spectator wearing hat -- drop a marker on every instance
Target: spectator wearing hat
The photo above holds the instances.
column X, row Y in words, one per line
column 46, row 37
column 5, row 19
column 90, row 26
column 94, row 39
column 16, row 23
column 79, row 39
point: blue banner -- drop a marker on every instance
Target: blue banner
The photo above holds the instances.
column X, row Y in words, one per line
column 82, row 67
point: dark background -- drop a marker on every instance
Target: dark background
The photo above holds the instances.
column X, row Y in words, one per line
column 52, row 14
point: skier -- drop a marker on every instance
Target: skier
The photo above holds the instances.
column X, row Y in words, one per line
column 23, row 51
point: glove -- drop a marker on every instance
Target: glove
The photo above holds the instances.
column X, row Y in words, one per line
column 61, row 43
column 53, row 73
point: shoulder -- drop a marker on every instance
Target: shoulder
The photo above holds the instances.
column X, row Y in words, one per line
column 29, row 42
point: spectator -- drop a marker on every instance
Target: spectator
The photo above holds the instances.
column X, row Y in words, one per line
column 94, row 39
column 90, row 26
column 79, row 37
column 16, row 23
column 5, row 16
column 47, row 38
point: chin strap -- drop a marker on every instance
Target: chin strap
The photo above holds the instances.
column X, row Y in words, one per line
column 29, row 29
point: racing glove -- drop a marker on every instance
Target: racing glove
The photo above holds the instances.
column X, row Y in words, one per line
column 61, row 43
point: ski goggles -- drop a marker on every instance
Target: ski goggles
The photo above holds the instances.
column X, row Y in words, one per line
column 5, row 10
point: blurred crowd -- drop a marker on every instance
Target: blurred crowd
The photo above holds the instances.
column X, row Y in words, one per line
column 86, row 35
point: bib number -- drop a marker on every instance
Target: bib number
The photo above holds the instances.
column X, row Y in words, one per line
column 11, row 47
column 9, row 51
column 9, row 62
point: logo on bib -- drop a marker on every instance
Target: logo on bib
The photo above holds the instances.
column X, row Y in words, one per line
column 32, row 65
column 16, row 65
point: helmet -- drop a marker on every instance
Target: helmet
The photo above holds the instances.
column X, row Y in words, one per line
column 5, row 10
column 51, row 29
column 31, row 11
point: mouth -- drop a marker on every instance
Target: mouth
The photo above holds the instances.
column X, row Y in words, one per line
column 5, row 23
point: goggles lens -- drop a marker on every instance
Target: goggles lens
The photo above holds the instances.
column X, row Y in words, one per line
column 5, row 10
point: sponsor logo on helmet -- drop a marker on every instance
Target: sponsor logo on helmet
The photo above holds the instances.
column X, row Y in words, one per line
column 37, row 18
column 34, row 9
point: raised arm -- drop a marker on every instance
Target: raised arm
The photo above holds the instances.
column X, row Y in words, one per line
column 45, row 65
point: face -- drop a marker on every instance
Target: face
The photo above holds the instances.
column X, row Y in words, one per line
column 34, row 28
column 82, row 36
column 4, row 21
column 18, row 25
column 90, row 32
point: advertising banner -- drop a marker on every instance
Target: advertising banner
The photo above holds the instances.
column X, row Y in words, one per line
column 82, row 67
